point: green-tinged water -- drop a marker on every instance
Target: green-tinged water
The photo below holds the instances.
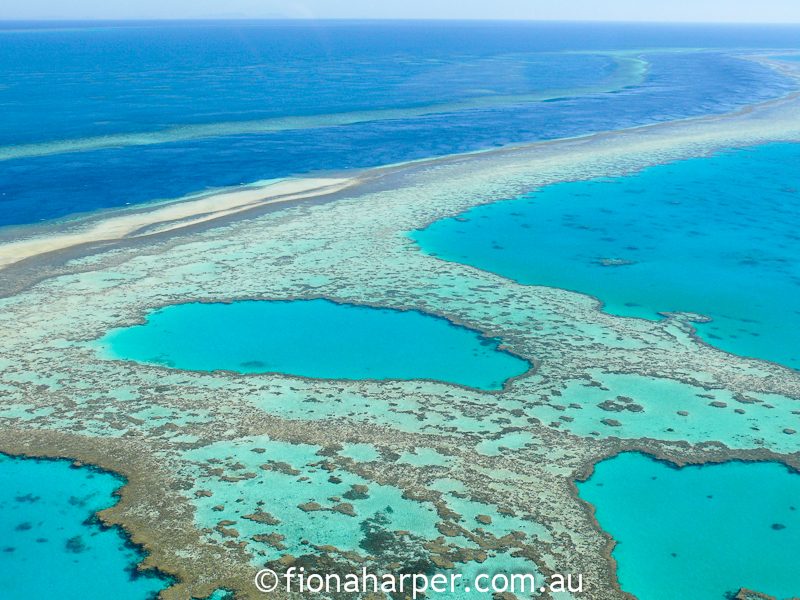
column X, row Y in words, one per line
column 280, row 498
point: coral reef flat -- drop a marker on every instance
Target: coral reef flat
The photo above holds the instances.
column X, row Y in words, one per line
column 227, row 472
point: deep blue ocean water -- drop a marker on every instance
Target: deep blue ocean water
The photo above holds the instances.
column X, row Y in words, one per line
column 699, row 533
column 317, row 339
column 716, row 236
column 51, row 545
column 365, row 93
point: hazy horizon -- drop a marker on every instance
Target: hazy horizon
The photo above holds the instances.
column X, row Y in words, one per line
column 773, row 12
column 241, row 19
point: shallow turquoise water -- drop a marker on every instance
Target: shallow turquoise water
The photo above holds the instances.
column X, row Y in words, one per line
column 315, row 338
column 48, row 547
column 699, row 532
column 716, row 236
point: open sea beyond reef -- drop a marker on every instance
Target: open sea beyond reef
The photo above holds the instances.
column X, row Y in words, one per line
column 99, row 117
column 98, row 113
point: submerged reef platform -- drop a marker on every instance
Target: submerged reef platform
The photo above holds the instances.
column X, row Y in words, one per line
column 228, row 472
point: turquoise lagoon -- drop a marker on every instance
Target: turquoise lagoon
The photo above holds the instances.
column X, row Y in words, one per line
column 316, row 339
column 717, row 236
column 699, row 532
column 50, row 541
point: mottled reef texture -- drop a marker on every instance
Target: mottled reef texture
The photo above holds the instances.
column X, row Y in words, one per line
column 483, row 477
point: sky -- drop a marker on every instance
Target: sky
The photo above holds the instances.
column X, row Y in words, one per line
column 742, row 11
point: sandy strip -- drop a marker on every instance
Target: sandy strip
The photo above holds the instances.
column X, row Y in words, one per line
column 175, row 215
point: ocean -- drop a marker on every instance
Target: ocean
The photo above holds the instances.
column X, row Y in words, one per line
column 52, row 539
column 101, row 116
column 316, row 339
column 108, row 115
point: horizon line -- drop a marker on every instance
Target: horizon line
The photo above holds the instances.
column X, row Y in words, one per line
column 242, row 19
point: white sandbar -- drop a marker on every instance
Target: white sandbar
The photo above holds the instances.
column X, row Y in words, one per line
column 174, row 215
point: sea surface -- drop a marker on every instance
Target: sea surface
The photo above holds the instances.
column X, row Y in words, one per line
column 52, row 546
column 716, row 236
column 317, row 339
column 107, row 115
column 699, row 532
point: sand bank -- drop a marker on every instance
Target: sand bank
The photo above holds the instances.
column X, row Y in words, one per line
column 175, row 215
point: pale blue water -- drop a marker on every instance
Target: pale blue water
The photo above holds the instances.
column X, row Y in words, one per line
column 50, row 544
column 716, row 236
column 699, row 532
column 366, row 94
column 317, row 339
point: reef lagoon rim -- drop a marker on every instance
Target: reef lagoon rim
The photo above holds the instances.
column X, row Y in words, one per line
column 316, row 339
column 517, row 451
column 675, row 528
column 682, row 237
